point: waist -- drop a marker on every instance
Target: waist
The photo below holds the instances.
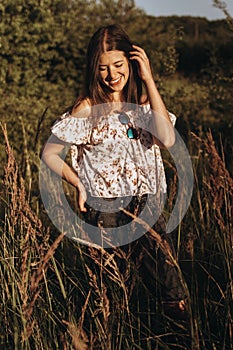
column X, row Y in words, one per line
column 114, row 203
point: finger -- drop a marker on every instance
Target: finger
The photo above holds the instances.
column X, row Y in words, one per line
column 82, row 208
column 138, row 48
column 136, row 53
column 82, row 205
column 139, row 59
column 139, row 54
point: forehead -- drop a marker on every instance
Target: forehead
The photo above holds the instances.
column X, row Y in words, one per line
column 110, row 57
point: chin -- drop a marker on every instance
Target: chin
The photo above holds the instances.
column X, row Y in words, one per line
column 117, row 88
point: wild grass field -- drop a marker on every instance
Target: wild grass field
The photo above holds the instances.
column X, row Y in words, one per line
column 57, row 294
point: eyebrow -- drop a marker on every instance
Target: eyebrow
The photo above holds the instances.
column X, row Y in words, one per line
column 104, row 65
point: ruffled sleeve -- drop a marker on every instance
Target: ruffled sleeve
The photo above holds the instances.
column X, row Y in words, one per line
column 172, row 118
column 72, row 130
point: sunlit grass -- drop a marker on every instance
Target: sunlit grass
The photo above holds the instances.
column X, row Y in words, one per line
column 60, row 295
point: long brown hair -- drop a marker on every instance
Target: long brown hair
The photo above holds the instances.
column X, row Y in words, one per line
column 111, row 37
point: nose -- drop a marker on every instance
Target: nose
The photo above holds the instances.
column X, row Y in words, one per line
column 111, row 72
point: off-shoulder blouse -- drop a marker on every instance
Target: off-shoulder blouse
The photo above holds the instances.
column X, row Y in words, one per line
column 108, row 163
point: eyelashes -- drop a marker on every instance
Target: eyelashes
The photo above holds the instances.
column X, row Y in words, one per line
column 102, row 69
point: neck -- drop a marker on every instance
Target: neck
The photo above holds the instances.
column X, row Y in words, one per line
column 117, row 97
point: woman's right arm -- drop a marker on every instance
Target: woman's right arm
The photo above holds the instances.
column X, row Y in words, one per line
column 51, row 157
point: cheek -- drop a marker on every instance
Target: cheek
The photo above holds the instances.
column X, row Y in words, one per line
column 102, row 76
column 127, row 70
column 126, row 73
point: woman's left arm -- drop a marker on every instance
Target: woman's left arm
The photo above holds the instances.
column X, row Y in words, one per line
column 163, row 128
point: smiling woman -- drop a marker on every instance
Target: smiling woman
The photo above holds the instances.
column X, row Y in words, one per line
column 108, row 58
column 114, row 72
column 116, row 156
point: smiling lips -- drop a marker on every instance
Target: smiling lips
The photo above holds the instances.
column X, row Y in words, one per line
column 115, row 82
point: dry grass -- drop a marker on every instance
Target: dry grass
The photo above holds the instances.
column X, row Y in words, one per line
column 26, row 244
column 57, row 294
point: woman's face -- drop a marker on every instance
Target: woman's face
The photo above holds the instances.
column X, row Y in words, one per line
column 114, row 70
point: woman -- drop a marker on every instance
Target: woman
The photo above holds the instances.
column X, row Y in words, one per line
column 116, row 132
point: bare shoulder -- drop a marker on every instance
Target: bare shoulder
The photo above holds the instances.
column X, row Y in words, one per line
column 144, row 100
column 82, row 109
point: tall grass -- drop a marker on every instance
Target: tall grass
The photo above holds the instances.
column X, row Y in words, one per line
column 57, row 294
column 207, row 248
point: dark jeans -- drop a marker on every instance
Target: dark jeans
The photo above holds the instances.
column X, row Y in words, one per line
column 152, row 264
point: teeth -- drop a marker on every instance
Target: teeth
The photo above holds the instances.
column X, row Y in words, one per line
column 115, row 81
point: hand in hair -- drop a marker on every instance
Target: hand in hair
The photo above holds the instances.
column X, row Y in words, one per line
column 144, row 68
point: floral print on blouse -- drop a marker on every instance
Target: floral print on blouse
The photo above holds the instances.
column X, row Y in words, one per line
column 108, row 163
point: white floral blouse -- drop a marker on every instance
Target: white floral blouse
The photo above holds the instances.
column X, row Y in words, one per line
column 109, row 163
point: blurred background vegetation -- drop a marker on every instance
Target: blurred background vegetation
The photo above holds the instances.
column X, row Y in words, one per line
column 42, row 57
column 49, row 299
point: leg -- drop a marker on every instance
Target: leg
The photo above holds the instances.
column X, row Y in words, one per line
column 158, row 274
